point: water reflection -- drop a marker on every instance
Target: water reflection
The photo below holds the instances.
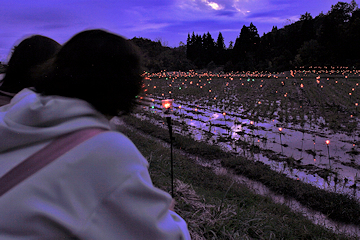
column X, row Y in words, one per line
column 333, row 167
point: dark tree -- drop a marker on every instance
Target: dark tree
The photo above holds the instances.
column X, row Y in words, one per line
column 329, row 39
column 208, row 48
column 220, row 50
column 195, row 49
column 220, row 42
column 245, row 47
column 352, row 44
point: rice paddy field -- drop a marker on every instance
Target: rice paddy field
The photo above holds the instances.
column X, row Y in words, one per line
column 304, row 124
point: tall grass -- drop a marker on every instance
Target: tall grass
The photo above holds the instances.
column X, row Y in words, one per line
column 215, row 206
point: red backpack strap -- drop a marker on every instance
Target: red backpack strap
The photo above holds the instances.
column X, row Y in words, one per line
column 45, row 156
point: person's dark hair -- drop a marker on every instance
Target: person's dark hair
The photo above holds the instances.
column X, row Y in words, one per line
column 30, row 52
column 99, row 67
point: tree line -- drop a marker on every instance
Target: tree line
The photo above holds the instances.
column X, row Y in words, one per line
column 329, row 39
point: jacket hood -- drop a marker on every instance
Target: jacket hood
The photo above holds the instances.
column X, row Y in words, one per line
column 31, row 118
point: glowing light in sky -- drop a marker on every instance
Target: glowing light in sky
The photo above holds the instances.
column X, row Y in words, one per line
column 213, row 5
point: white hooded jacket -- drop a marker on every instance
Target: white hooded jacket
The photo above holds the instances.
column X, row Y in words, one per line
column 101, row 189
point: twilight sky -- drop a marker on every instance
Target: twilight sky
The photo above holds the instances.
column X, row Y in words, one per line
column 167, row 20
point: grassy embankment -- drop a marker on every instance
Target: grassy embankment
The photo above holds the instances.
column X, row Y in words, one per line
column 216, row 207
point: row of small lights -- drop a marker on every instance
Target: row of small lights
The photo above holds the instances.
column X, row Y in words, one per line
column 248, row 79
column 191, row 73
column 168, row 104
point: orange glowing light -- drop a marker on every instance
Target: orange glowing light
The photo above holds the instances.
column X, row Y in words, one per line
column 327, row 142
column 167, row 103
column 280, row 129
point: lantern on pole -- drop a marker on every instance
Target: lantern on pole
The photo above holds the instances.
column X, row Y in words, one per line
column 167, row 105
column 280, row 130
column 356, row 106
column 327, row 144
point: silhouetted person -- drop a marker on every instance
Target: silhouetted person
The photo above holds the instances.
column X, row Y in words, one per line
column 30, row 52
column 101, row 188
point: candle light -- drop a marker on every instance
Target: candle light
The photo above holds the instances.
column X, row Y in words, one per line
column 167, row 104
column 280, row 130
column 327, row 144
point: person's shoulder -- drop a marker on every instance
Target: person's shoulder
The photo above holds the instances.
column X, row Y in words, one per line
column 114, row 138
column 116, row 144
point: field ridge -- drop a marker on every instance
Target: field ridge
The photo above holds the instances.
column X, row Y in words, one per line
column 338, row 207
column 216, row 207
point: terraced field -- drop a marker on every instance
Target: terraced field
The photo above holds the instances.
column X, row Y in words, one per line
column 301, row 123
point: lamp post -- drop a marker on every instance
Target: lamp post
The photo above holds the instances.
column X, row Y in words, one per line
column 327, row 144
column 252, row 132
column 224, row 114
column 280, row 130
column 167, row 105
column 356, row 106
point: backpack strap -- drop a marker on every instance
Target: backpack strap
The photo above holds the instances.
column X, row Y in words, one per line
column 45, row 156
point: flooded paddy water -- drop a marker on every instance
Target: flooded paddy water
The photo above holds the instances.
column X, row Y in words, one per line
column 296, row 139
column 303, row 124
column 332, row 167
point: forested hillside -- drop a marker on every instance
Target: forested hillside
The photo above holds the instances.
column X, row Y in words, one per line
column 329, row 39
column 158, row 57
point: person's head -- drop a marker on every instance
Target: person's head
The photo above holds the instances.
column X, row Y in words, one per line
column 97, row 66
column 30, row 52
